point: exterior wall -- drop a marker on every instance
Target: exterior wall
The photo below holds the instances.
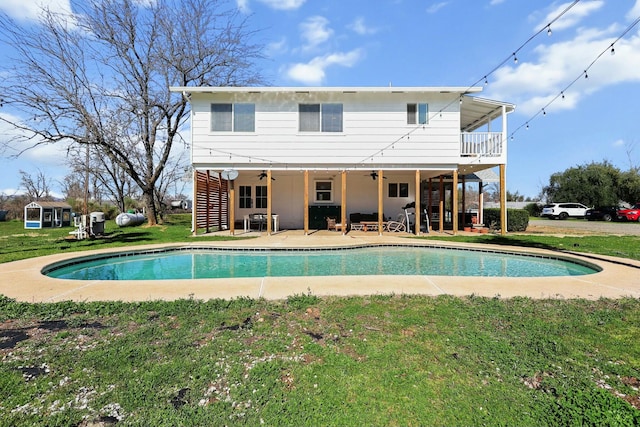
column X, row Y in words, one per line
column 371, row 122
column 362, row 194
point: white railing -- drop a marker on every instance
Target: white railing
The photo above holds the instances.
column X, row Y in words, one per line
column 488, row 144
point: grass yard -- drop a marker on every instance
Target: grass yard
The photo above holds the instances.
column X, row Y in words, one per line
column 379, row 360
column 308, row 361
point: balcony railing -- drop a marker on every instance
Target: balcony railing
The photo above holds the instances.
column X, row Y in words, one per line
column 485, row 144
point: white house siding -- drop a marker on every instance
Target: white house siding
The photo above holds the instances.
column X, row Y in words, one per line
column 368, row 127
column 375, row 137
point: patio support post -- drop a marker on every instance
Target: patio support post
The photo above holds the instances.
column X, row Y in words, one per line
column 441, row 206
column 194, row 197
column 380, row 201
column 232, row 209
column 418, row 208
column 343, row 209
column 503, row 199
column 269, row 207
column 464, row 201
column 480, row 204
column 430, row 201
column 454, row 201
column 306, row 202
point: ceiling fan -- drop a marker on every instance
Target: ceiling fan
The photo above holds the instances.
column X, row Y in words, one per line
column 264, row 175
column 374, row 175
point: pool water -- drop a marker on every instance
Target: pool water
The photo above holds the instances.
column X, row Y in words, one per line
column 202, row 264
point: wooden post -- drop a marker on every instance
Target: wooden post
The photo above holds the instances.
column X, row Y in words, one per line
column 194, row 205
column 380, row 201
column 418, row 209
column 306, row 203
column 232, row 209
column 269, row 216
column 503, row 199
column 343, row 209
column 464, row 201
column 441, row 205
column 454, row 201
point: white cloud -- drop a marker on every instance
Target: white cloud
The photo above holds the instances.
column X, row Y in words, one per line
column 436, row 7
column 276, row 48
column 243, row 6
column 359, row 27
column 618, row 143
column 25, row 10
column 315, row 31
column 283, row 4
column 313, row 72
column 576, row 14
column 634, row 12
column 533, row 84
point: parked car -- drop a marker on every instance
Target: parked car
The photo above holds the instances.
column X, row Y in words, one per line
column 632, row 214
column 603, row 213
column 564, row 210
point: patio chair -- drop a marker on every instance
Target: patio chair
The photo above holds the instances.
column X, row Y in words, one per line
column 333, row 225
column 257, row 219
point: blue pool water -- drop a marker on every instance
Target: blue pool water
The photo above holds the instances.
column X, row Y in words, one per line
column 218, row 263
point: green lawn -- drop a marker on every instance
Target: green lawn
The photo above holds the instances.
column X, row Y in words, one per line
column 308, row 361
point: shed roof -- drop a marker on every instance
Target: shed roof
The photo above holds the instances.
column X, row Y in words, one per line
column 48, row 204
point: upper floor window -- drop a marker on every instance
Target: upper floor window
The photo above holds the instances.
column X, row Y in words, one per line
column 233, row 117
column 320, row 117
column 417, row 114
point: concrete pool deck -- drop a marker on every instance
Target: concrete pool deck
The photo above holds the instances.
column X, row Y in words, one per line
column 23, row 281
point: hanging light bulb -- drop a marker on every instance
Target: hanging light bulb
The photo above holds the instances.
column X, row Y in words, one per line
column 549, row 32
column 527, row 126
column 486, row 82
column 515, row 58
column 586, row 76
column 562, row 93
column 613, row 50
column 544, row 113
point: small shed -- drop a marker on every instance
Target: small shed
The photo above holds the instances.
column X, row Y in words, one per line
column 47, row 214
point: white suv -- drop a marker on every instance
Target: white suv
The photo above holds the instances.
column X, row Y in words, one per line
column 564, row 210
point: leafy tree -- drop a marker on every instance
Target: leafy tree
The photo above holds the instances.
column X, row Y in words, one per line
column 630, row 186
column 593, row 184
column 101, row 77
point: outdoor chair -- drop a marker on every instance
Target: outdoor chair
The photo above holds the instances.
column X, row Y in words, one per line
column 333, row 225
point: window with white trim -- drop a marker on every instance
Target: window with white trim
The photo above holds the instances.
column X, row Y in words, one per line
column 323, row 191
column 320, row 117
column 417, row 114
column 233, row 117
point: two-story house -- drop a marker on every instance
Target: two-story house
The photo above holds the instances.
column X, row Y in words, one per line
column 297, row 155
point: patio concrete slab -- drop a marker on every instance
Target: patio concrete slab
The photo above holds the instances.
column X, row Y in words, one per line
column 23, row 281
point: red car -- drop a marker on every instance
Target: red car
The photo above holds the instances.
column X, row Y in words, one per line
column 632, row 214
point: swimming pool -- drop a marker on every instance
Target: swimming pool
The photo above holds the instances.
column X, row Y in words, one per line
column 203, row 263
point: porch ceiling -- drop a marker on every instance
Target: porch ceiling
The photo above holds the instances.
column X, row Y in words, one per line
column 476, row 112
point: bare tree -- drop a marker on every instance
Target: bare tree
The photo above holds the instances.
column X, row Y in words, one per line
column 37, row 187
column 101, row 76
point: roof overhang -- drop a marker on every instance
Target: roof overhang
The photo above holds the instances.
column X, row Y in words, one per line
column 476, row 112
column 318, row 89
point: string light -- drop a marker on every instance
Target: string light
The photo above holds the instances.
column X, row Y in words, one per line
column 549, row 32
column 609, row 48
column 515, row 58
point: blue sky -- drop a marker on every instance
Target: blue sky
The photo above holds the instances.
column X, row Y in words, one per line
column 451, row 43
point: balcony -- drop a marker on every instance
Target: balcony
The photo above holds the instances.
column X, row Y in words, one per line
column 481, row 144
